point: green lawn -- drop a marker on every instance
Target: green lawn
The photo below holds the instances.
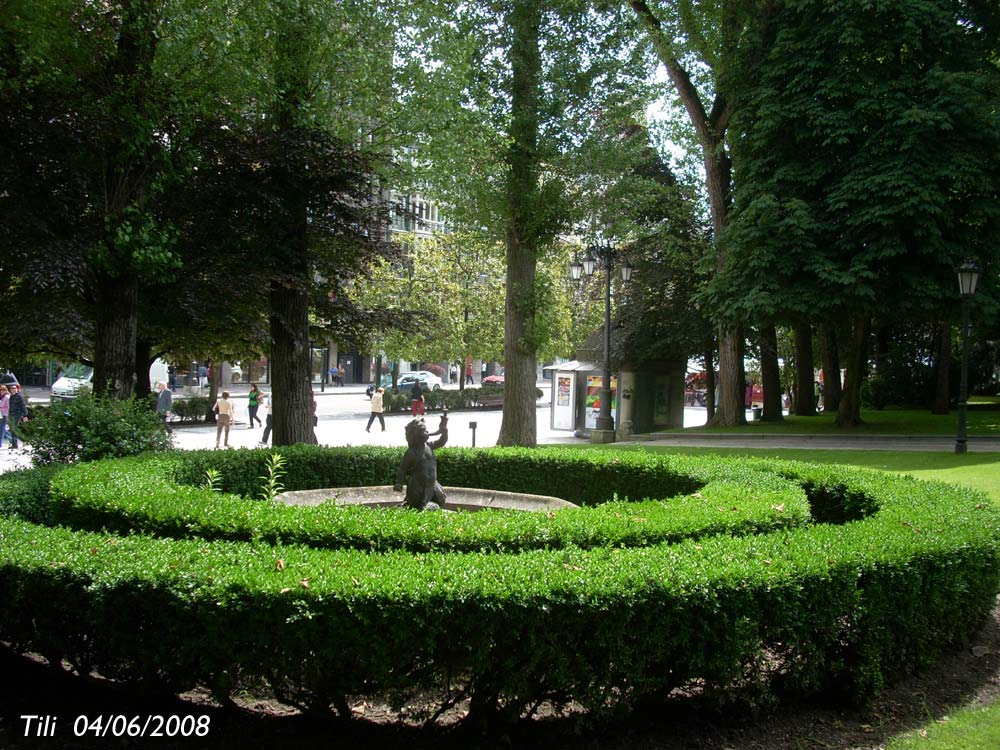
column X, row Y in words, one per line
column 968, row 729
column 964, row 728
column 978, row 470
column 981, row 421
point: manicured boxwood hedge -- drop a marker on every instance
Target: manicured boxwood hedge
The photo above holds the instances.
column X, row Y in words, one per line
column 140, row 495
column 889, row 571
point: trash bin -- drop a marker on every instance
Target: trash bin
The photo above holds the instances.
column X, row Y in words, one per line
column 756, row 411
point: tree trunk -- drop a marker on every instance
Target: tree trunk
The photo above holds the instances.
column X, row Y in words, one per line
column 732, row 374
column 805, row 404
column 942, row 364
column 114, row 345
column 849, row 414
column 770, row 374
column 291, row 378
column 709, row 384
column 519, row 416
column 128, row 155
column 732, row 382
column 213, row 393
column 832, row 387
column 143, row 361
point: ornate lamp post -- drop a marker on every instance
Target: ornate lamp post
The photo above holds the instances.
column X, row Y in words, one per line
column 968, row 276
column 604, row 253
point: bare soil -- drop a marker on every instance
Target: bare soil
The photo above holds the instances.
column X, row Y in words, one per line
column 966, row 677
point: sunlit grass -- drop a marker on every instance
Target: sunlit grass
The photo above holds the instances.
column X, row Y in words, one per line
column 969, row 729
column 981, row 421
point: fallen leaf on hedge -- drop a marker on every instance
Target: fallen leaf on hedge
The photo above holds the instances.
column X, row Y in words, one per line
column 766, row 561
column 280, row 564
column 779, row 508
column 284, row 590
column 304, row 583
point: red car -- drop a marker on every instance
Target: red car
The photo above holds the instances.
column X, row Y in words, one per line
column 493, row 380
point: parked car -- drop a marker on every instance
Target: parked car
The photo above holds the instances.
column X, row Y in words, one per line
column 493, row 380
column 78, row 376
column 428, row 380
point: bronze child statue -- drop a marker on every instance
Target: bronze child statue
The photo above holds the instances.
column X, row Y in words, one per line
column 422, row 489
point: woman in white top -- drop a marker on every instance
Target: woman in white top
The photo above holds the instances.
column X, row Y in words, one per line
column 377, row 410
column 224, row 408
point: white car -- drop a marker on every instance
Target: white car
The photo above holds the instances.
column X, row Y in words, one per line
column 428, row 380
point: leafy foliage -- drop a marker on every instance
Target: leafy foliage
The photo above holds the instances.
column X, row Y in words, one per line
column 89, row 428
column 866, row 148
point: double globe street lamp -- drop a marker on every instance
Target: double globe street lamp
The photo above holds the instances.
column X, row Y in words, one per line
column 605, row 254
column 968, row 276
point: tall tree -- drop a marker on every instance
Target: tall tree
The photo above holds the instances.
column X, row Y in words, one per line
column 509, row 93
column 866, row 154
column 689, row 38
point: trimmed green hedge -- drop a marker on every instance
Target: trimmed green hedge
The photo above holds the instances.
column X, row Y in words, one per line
column 897, row 570
column 138, row 495
column 453, row 400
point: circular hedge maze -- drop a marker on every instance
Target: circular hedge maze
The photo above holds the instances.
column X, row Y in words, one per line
column 757, row 577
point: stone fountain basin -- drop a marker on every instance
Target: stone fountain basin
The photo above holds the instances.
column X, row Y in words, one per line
column 458, row 498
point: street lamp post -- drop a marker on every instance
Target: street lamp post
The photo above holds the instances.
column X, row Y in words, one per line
column 968, row 275
column 605, row 254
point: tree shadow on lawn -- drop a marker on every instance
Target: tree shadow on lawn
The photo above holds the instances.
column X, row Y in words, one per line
column 970, row 675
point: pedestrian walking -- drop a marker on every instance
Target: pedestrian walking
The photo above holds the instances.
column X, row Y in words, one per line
column 377, row 410
column 417, row 400
column 202, row 375
column 468, row 374
column 164, row 402
column 4, row 413
column 18, row 413
column 253, row 404
column 265, row 403
column 224, row 408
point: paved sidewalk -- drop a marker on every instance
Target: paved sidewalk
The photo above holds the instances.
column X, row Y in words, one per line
column 343, row 413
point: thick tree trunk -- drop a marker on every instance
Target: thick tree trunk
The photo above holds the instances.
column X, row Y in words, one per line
column 709, row 384
column 129, row 152
column 942, row 365
column 213, row 392
column 832, row 387
column 114, row 345
column 291, row 378
column 770, row 374
column 732, row 382
column 849, row 414
column 143, row 361
column 519, row 416
column 805, row 380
